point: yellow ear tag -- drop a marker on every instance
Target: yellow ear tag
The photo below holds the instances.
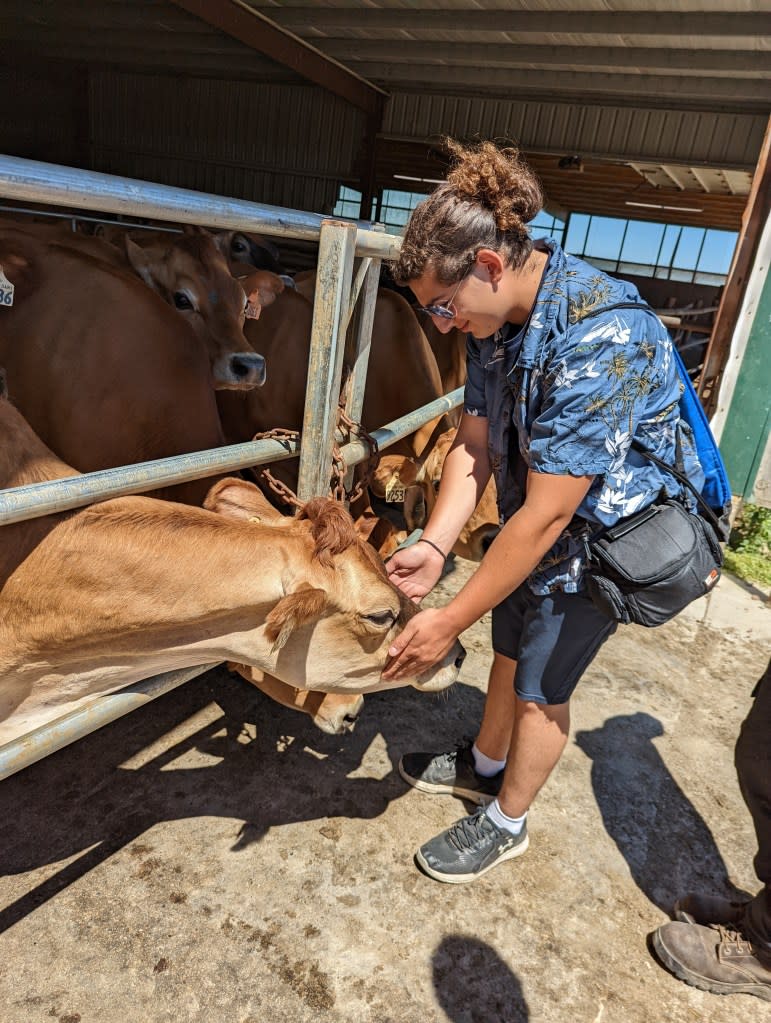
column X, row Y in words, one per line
column 394, row 490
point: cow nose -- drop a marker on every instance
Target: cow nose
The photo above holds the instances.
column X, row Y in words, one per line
column 460, row 659
column 248, row 368
column 488, row 539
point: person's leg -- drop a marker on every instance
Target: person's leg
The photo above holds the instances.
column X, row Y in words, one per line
column 495, row 731
column 734, row 957
column 560, row 635
column 538, row 738
column 753, row 768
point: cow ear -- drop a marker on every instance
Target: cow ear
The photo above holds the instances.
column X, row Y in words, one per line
column 139, row 260
column 292, row 611
column 239, row 499
column 222, row 239
column 262, row 287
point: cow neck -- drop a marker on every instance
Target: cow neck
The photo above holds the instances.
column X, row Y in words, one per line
column 142, row 581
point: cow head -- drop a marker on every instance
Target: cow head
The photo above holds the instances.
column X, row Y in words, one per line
column 242, row 249
column 189, row 272
column 331, row 629
column 333, row 713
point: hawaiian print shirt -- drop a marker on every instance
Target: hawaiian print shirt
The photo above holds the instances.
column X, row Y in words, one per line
column 567, row 393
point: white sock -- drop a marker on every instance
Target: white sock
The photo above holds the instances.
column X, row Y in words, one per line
column 497, row 816
column 485, row 765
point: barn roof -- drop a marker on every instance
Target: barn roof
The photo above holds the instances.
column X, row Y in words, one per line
column 660, row 103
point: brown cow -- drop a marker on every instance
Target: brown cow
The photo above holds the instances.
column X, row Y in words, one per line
column 402, row 375
column 242, row 247
column 333, row 713
column 105, row 372
column 189, row 273
column 95, row 599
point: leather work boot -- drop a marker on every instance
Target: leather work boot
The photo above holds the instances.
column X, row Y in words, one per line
column 717, row 959
column 696, row 908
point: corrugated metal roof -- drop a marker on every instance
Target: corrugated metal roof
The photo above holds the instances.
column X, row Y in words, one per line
column 680, row 89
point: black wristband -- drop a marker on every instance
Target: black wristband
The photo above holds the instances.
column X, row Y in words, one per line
column 436, row 548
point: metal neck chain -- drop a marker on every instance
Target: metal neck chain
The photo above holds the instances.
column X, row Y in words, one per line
column 339, row 468
column 338, row 491
column 281, row 489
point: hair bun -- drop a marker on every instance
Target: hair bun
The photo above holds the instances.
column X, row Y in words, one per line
column 498, row 179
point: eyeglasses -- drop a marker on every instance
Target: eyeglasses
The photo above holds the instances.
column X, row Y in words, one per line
column 444, row 310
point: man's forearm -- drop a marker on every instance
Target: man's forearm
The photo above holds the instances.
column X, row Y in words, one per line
column 519, row 546
column 465, row 475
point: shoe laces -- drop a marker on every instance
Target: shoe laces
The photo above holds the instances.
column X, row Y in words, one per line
column 468, row 832
column 731, row 936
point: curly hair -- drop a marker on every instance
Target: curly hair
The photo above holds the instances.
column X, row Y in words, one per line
column 486, row 202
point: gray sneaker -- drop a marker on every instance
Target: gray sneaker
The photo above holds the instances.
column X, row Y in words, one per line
column 470, row 848
column 452, row 773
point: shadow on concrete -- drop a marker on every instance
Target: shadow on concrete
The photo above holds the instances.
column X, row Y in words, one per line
column 269, row 766
column 663, row 838
column 474, row 985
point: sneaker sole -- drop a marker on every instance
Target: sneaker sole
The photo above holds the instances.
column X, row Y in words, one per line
column 473, row 795
column 706, row 983
column 464, row 878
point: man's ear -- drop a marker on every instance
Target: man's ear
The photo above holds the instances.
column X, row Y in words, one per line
column 239, row 499
column 491, row 261
column 293, row 611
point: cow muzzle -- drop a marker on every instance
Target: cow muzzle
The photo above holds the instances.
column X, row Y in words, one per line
column 240, row 371
column 445, row 673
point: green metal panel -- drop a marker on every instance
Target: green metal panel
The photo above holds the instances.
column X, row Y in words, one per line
column 746, row 430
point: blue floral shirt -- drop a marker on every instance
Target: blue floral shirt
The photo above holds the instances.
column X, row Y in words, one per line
column 567, row 393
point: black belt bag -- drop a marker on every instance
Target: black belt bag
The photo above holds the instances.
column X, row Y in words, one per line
column 648, row 567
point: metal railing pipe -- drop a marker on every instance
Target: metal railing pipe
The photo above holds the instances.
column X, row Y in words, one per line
column 39, row 499
column 33, row 181
column 357, row 450
column 53, row 736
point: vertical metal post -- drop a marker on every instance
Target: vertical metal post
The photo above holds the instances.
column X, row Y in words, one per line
column 361, row 333
column 337, row 243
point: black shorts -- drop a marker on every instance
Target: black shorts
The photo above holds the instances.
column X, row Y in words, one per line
column 553, row 638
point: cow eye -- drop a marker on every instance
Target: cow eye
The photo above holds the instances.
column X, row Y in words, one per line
column 239, row 246
column 181, row 301
column 382, row 619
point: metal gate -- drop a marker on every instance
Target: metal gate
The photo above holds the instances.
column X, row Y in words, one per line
column 349, row 261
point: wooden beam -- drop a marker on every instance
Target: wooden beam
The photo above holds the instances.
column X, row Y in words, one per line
column 248, row 26
column 755, row 216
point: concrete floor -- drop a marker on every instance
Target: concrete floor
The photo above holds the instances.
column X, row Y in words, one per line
column 214, row 859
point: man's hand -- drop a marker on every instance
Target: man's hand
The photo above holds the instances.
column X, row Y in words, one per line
column 415, row 570
column 425, row 639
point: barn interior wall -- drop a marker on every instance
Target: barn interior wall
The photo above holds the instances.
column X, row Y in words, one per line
column 282, row 144
column 42, row 115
